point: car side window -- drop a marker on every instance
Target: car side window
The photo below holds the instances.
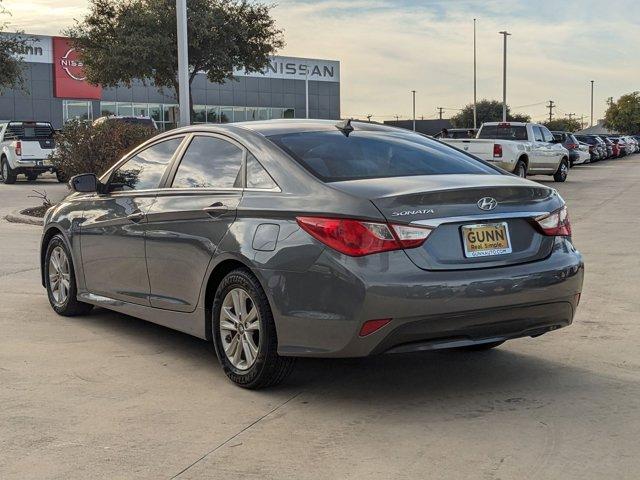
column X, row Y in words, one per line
column 537, row 134
column 145, row 169
column 210, row 162
column 546, row 134
column 257, row 176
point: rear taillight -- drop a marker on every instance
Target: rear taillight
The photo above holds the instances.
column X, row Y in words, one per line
column 572, row 146
column 555, row 223
column 497, row 150
column 18, row 148
column 357, row 238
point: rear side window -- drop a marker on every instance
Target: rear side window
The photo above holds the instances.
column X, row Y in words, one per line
column 546, row 134
column 145, row 169
column 257, row 176
column 332, row 156
column 503, row 132
column 210, row 162
column 537, row 134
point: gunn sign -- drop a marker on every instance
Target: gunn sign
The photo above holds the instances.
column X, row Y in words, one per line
column 68, row 73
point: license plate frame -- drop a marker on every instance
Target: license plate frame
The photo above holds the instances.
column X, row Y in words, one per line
column 486, row 251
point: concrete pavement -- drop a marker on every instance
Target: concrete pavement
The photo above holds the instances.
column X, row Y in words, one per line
column 111, row 397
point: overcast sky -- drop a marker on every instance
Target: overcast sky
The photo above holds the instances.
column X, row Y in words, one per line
column 388, row 48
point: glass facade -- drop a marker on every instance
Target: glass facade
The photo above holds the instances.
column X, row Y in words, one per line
column 167, row 115
column 76, row 110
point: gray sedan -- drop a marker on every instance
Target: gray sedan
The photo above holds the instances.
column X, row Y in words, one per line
column 285, row 239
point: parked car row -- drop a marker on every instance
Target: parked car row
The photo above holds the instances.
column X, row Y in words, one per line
column 602, row 147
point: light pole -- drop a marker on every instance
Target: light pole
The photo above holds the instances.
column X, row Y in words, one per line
column 475, row 112
column 306, row 92
column 591, row 103
column 414, row 109
column 505, row 34
column 183, row 63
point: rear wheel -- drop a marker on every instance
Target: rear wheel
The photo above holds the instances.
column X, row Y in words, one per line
column 7, row 173
column 562, row 172
column 60, row 280
column 244, row 333
column 521, row 169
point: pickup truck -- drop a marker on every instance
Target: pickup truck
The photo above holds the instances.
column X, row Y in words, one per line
column 520, row 148
column 24, row 148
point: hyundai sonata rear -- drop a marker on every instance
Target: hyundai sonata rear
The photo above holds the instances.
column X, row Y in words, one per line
column 284, row 239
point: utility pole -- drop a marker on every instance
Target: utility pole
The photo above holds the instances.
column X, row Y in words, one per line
column 475, row 102
column 414, row 109
column 183, row 63
column 592, row 103
column 397, row 117
column 440, row 109
column 551, row 106
column 369, row 118
column 505, row 34
column 581, row 122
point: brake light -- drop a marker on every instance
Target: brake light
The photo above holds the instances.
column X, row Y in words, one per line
column 357, row 238
column 556, row 223
column 18, row 147
column 497, row 150
column 572, row 146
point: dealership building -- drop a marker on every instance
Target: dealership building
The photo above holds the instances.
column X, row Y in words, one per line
column 55, row 90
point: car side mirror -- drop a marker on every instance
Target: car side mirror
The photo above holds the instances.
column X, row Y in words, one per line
column 84, row 183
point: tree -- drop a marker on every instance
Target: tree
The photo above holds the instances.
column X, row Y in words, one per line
column 563, row 124
column 123, row 40
column 11, row 67
column 487, row 111
column 623, row 116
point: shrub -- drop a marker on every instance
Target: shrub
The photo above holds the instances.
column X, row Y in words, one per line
column 84, row 148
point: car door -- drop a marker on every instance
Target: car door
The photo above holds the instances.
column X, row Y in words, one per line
column 553, row 151
column 190, row 217
column 537, row 158
column 112, row 232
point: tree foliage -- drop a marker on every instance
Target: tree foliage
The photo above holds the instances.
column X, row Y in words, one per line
column 487, row 111
column 565, row 124
column 84, row 148
column 123, row 40
column 11, row 67
column 623, row 116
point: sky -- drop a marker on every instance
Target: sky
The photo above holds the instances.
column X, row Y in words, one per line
column 387, row 48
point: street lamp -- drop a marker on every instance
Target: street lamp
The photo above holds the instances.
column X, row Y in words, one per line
column 183, row 63
column 505, row 34
column 592, row 103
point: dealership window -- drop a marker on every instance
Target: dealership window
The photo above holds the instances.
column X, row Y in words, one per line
column 155, row 111
column 199, row 114
column 108, row 108
column 226, row 114
column 76, row 110
column 213, row 114
column 239, row 114
column 140, row 110
column 125, row 109
column 170, row 116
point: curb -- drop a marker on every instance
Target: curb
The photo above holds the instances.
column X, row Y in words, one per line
column 18, row 217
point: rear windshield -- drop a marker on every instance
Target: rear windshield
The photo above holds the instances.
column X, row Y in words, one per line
column 503, row 132
column 586, row 139
column 28, row 131
column 332, row 156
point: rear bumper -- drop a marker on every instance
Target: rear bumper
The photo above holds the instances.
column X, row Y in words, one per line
column 33, row 166
column 319, row 313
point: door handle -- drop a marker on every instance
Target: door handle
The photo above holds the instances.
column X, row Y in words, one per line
column 135, row 217
column 216, row 209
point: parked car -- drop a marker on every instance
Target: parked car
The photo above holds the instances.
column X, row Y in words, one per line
column 622, row 145
column 609, row 145
column 570, row 142
column 598, row 152
column 634, row 143
column 279, row 239
column 615, row 149
column 139, row 120
column 520, row 148
column 24, row 150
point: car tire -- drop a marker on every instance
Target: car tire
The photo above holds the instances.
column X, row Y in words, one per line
column 60, row 280
column 6, row 172
column 32, row 177
column 61, row 177
column 481, row 347
column 562, row 172
column 247, row 348
column 521, row 169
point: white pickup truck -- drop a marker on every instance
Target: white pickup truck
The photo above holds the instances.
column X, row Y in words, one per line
column 24, row 148
column 520, row 148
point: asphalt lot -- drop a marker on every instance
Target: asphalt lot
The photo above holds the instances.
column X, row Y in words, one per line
column 111, row 397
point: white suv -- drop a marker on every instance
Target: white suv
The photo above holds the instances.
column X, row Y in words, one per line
column 25, row 147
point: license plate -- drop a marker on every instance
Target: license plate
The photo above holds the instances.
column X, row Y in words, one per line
column 486, row 239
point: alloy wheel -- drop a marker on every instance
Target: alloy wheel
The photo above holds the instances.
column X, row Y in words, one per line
column 564, row 170
column 59, row 275
column 240, row 328
column 5, row 172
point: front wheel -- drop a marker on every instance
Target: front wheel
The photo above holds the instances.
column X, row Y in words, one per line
column 244, row 333
column 60, row 280
column 562, row 172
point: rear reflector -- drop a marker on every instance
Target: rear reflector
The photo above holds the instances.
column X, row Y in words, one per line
column 555, row 223
column 371, row 326
column 357, row 238
column 497, row 150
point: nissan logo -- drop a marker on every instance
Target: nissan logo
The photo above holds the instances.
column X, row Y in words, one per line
column 487, row 203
